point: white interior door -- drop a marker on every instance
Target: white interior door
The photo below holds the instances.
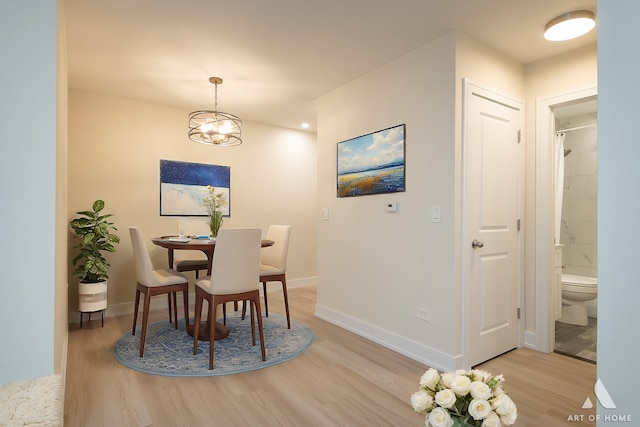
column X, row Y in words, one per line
column 491, row 284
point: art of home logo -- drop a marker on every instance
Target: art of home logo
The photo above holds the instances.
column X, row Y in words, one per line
column 606, row 402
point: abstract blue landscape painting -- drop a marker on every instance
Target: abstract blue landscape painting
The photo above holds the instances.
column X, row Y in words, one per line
column 183, row 185
column 372, row 163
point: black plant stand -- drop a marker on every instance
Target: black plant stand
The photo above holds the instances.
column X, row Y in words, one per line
column 82, row 313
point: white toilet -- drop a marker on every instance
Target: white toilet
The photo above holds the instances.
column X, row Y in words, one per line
column 576, row 291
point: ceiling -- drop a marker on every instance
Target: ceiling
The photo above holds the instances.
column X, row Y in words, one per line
column 276, row 57
column 577, row 109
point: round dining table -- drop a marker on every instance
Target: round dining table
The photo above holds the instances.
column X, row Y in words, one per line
column 207, row 246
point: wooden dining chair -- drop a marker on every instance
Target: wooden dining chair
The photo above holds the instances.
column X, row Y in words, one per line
column 196, row 265
column 183, row 265
column 152, row 282
column 273, row 264
column 234, row 277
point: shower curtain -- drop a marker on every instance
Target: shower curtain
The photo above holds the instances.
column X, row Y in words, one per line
column 559, row 183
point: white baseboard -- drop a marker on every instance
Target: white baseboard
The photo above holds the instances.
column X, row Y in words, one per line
column 304, row 281
column 159, row 302
column 412, row 349
column 530, row 340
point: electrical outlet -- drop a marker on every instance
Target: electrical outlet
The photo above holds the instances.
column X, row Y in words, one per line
column 424, row 314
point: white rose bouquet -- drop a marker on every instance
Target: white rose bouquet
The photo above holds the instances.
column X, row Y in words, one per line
column 463, row 398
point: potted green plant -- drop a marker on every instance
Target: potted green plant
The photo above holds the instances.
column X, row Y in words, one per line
column 94, row 231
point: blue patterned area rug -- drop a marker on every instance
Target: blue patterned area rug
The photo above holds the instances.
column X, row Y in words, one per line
column 169, row 351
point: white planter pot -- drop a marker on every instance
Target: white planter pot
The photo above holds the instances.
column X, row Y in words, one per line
column 92, row 296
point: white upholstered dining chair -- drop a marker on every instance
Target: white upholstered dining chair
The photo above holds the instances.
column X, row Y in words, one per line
column 152, row 282
column 273, row 264
column 234, row 277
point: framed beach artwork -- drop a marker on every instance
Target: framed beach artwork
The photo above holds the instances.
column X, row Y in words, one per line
column 372, row 164
column 183, row 185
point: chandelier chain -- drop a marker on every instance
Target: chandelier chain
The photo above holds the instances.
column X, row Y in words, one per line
column 215, row 106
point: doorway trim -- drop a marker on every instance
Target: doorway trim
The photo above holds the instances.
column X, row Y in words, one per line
column 545, row 212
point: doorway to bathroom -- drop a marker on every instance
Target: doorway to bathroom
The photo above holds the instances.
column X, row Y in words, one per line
column 569, row 110
column 575, row 227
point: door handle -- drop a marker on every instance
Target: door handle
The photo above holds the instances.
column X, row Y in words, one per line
column 477, row 244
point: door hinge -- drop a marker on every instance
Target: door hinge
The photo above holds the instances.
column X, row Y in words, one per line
column 519, row 136
column 518, row 313
column 518, row 224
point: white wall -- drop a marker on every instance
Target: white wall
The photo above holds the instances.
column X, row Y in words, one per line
column 28, row 188
column 115, row 148
column 375, row 268
column 618, row 205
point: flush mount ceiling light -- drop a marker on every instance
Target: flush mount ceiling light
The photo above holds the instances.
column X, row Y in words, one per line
column 215, row 127
column 570, row 25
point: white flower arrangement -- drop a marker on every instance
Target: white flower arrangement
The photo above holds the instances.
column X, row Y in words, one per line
column 214, row 204
column 463, row 398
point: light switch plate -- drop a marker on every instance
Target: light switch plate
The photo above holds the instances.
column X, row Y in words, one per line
column 435, row 213
column 391, row 207
column 324, row 215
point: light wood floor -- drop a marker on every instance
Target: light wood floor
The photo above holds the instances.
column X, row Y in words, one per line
column 341, row 380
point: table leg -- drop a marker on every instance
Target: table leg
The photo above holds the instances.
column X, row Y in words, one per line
column 209, row 255
column 170, row 255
